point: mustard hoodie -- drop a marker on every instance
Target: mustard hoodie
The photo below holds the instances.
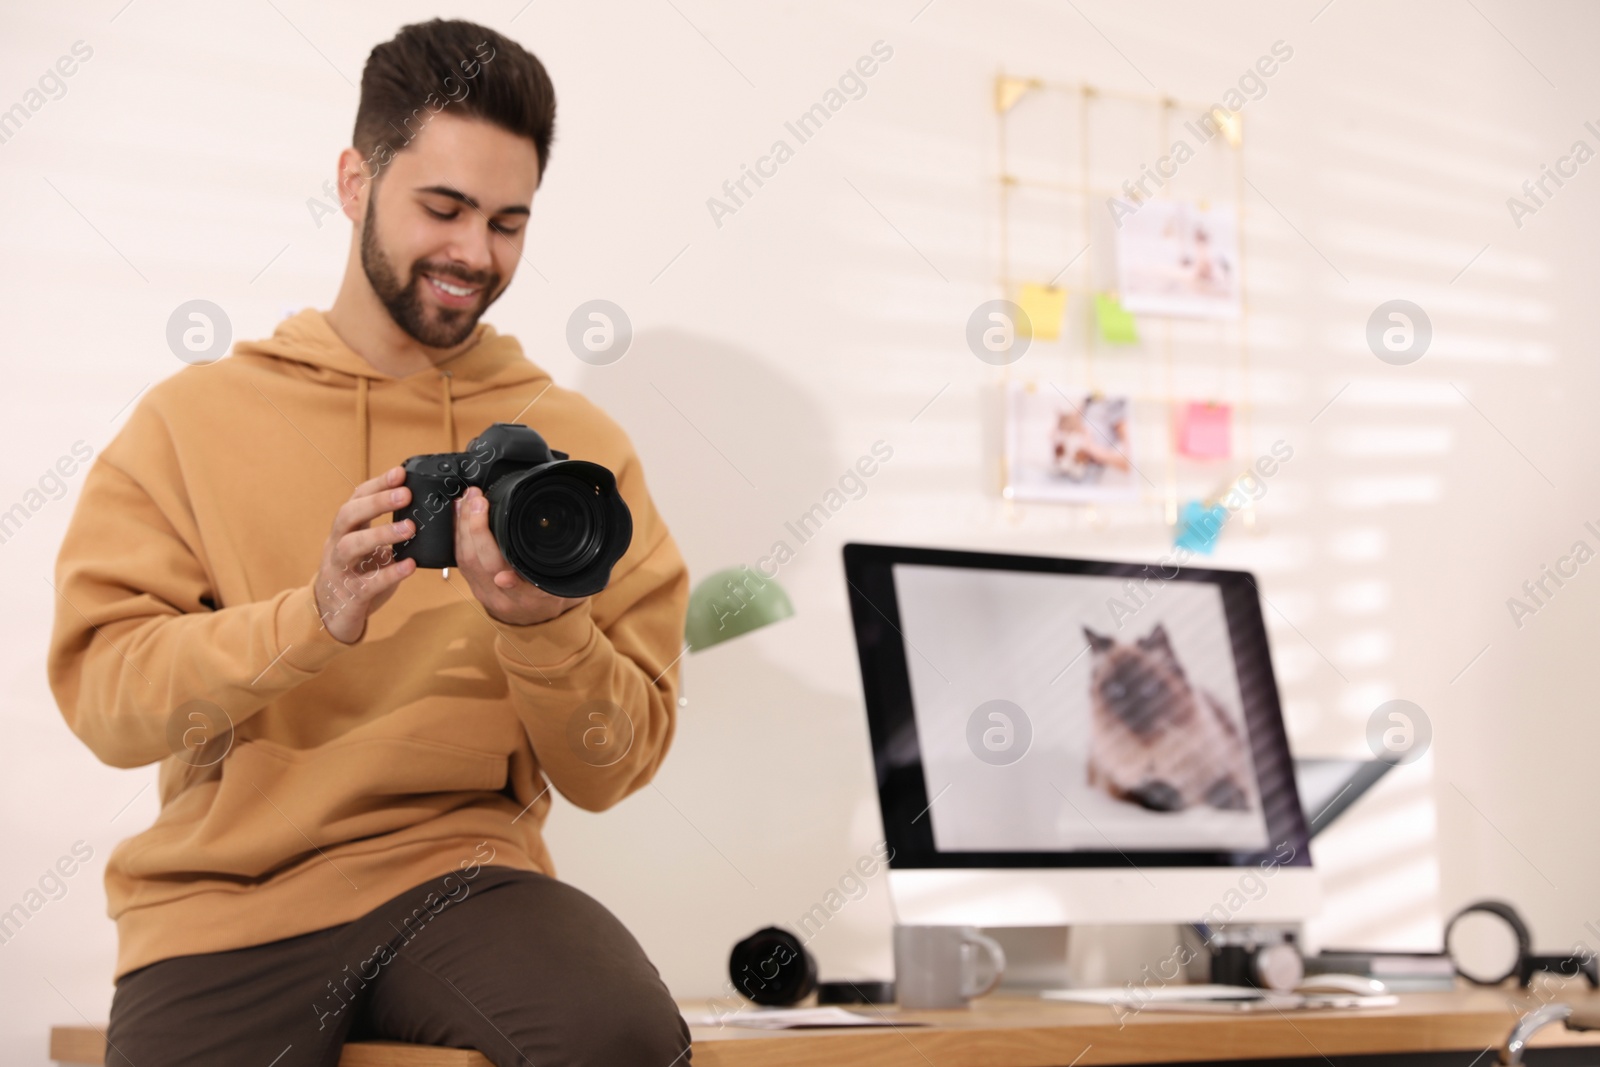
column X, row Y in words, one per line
column 355, row 771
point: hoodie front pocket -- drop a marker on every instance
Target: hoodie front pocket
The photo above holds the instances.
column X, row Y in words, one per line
column 273, row 804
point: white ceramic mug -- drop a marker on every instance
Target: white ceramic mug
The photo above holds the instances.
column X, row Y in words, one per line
column 937, row 966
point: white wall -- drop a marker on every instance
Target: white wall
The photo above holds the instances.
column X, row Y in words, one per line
column 807, row 326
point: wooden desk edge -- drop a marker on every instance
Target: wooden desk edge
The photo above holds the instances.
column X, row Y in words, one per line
column 84, row 1045
column 1026, row 1032
column 1017, row 1031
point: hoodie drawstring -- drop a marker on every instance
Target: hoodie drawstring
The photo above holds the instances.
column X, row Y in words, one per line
column 449, row 414
column 363, row 421
column 361, row 427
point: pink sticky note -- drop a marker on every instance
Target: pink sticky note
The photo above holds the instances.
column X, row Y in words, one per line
column 1205, row 430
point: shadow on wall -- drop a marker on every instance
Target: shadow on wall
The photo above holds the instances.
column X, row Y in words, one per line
column 732, row 447
column 772, row 768
column 784, row 763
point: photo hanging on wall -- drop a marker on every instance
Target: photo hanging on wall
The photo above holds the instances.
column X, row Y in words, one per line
column 1068, row 447
column 1177, row 258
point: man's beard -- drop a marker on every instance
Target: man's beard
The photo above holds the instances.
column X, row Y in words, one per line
column 447, row 327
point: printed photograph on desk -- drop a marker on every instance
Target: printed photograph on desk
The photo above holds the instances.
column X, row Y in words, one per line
column 1067, row 446
column 1177, row 258
column 1132, row 700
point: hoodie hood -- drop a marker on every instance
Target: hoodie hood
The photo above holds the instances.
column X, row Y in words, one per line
column 307, row 347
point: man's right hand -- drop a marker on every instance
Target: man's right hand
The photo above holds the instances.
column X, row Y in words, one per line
column 359, row 572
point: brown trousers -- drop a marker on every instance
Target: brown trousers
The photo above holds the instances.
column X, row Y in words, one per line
column 527, row 970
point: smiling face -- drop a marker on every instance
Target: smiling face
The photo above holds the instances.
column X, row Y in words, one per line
column 444, row 225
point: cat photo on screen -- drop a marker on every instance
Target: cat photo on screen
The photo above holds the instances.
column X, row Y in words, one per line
column 1156, row 740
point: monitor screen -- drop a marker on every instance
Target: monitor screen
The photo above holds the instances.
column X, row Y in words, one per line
column 1038, row 712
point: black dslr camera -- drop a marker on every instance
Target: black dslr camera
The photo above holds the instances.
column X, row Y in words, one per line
column 559, row 522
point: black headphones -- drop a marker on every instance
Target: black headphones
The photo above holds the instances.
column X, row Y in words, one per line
column 1527, row 961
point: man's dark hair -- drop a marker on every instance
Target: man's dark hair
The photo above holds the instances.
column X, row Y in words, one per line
column 430, row 66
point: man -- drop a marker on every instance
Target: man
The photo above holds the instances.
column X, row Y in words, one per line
column 357, row 758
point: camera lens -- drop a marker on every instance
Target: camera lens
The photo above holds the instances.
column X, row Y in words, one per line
column 561, row 525
column 558, row 524
column 553, row 523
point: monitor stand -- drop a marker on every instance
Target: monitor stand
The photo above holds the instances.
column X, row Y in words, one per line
column 1082, row 957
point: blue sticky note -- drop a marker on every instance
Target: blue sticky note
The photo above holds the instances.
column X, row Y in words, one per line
column 1199, row 526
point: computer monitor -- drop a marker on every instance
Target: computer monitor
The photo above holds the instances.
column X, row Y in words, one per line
column 1065, row 741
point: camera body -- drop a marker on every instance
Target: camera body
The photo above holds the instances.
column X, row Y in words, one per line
column 1263, row 956
column 559, row 522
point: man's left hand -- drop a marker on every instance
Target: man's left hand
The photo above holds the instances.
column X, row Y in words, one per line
column 504, row 594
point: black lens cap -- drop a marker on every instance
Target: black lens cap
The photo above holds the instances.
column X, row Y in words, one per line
column 772, row 968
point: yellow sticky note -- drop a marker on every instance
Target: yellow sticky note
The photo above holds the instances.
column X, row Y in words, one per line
column 1116, row 323
column 1044, row 306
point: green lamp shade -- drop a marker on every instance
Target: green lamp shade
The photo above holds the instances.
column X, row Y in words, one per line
column 733, row 602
